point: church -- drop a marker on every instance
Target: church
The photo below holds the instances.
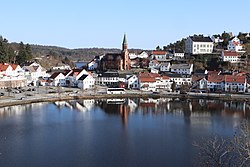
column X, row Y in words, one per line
column 116, row 61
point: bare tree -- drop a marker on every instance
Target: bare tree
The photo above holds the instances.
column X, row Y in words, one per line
column 220, row 152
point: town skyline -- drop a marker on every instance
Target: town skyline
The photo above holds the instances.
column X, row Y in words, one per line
column 102, row 24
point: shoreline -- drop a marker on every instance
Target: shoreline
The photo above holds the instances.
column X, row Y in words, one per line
column 55, row 97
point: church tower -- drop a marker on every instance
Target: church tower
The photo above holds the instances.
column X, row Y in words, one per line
column 125, row 54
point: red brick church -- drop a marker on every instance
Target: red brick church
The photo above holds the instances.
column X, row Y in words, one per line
column 116, row 61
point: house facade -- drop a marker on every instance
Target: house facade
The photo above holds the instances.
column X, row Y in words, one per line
column 107, row 78
column 235, row 45
column 86, row 82
column 179, row 54
column 182, row 68
column 57, row 79
column 133, row 82
column 198, row 44
column 180, row 79
column 235, row 83
column 230, row 56
column 164, row 67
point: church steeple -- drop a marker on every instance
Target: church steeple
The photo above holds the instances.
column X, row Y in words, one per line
column 124, row 43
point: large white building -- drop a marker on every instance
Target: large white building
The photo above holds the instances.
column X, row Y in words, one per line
column 199, row 45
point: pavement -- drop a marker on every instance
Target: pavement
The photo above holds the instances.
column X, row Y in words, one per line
column 47, row 93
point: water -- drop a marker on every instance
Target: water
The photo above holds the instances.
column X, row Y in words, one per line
column 80, row 64
column 125, row 132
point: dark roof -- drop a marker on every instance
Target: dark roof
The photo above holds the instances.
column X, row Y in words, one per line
column 54, row 75
column 200, row 71
column 110, row 74
column 83, row 77
column 175, row 75
column 111, row 56
column 178, row 51
column 201, row 38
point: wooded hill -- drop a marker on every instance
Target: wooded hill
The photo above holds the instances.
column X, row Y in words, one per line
column 82, row 54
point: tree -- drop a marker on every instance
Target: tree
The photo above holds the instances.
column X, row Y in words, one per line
column 158, row 48
column 220, row 152
column 24, row 53
column 225, row 36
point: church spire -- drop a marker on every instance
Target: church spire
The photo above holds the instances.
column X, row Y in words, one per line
column 124, row 43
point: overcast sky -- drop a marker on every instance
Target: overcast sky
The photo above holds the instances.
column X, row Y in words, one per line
column 102, row 23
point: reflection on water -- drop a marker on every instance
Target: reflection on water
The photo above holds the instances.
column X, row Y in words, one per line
column 113, row 132
column 176, row 106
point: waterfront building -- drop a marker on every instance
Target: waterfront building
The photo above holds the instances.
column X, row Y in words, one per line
column 32, row 72
column 154, row 82
column 133, row 82
column 180, row 79
column 86, row 82
column 109, row 78
column 57, row 79
column 235, row 83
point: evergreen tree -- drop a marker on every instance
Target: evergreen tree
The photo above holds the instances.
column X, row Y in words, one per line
column 24, row 53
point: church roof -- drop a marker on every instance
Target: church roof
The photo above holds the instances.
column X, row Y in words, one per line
column 124, row 39
column 112, row 56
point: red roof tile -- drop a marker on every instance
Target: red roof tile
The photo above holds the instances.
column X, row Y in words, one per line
column 216, row 78
column 235, row 78
column 159, row 52
column 3, row 67
column 230, row 53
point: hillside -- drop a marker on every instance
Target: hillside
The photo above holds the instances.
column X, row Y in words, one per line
column 81, row 54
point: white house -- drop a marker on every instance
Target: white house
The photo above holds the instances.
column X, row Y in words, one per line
column 86, row 82
column 154, row 82
column 154, row 64
column 179, row 54
column 73, row 75
column 199, row 82
column 6, row 70
column 57, row 79
column 17, row 70
column 182, row 68
column 198, row 44
column 158, row 54
column 234, row 45
column 163, row 83
column 165, row 67
column 180, row 79
column 147, row 81
column 33, row 72
column 230, row 56
column 133, row 82
column 235, row 83
column 217, row 39
column 92, row 65
column 142, row 55
column 215, row 82
column 107, row 78
column 61, row 66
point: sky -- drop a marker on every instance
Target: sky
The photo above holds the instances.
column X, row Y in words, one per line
column 102, row 23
